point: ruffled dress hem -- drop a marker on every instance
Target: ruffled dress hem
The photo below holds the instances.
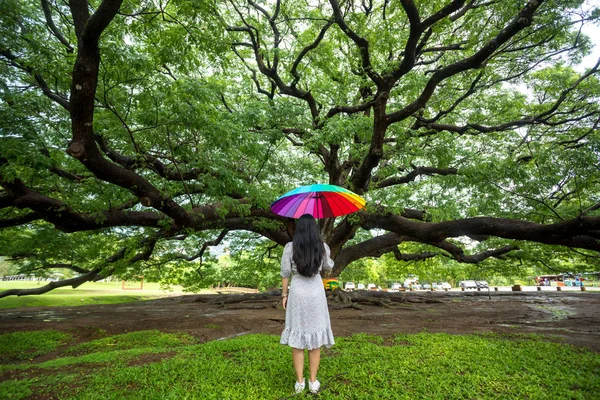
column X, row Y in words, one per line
column 308, row 341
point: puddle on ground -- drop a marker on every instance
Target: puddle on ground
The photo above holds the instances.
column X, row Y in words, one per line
column 233, row 336
column 45, row 316
column 540, row 328
column 558, row 312
column 48, row 316
column 66, row 314
column 559, row 330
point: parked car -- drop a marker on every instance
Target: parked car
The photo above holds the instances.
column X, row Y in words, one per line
column 444, row 286
column 395, row 287
column 349, row 286
column 426, row 286
column 416, row 286
column 468, row 284
column 372, row 286
column 482, row 284
column 360, row 286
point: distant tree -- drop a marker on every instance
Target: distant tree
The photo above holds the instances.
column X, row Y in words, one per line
column 7, row 267
column 134, row 135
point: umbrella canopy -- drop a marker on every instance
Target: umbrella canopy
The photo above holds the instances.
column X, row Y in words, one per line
column 320, row 201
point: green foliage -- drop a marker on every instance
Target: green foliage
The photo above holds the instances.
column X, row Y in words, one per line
column 243, row 270
column 367, row 271
column 27, row 345
column 51, row 247
column 7, row 267
column 424, row 365
column 248, row 262
column 257, row 267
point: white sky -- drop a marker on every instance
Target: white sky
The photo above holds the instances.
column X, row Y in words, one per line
column 593, row 31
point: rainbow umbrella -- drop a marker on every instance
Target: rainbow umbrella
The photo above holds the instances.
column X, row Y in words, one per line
column 320, row 201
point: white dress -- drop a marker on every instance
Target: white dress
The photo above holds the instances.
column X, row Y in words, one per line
column 307, row 324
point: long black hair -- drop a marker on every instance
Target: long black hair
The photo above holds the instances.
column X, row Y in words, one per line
column 308, row 246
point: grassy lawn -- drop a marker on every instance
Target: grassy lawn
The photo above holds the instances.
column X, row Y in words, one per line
column 155, row 365
column 88, row 293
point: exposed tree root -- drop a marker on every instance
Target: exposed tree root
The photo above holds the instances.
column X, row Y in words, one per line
column 238, row 298
column 245, row 306
column 336, row 299
column 341, row 306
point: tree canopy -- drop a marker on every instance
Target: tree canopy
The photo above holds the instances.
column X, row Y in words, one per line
column 136, row 134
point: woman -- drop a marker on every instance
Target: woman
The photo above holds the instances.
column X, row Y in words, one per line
column 307, row 324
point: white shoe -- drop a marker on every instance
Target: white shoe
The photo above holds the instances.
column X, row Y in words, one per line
column 314, row 386
column 299, row 387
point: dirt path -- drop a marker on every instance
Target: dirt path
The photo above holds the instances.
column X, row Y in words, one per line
column 572, row 316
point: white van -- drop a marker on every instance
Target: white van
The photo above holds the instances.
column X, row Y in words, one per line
column 349, row 286
column 468, row 284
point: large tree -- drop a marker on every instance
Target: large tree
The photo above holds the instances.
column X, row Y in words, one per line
column 135, row 134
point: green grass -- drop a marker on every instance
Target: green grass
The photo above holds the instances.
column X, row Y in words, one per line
column 134, row 340
column 155, row 365
column 86, row 294
column 26, row 345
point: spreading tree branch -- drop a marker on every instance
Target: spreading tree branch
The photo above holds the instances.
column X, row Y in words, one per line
column 57, row 33
column 520, row 22
column 412, row 175
column 39, row 79
column 92, row 275
column 578, row 232
column 17, row 221
column 459, row 254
